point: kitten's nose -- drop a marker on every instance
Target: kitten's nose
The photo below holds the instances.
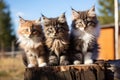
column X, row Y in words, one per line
column 30, row 36
column 55, row 34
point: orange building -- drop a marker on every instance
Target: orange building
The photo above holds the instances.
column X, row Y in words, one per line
column 107, row 42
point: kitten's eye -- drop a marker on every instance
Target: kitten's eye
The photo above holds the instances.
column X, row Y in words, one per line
column 61, row 30
column 58, row 25
column 85, row 20
column 34, row 32
column 50, row 30
column 88, row 19
column 26, row 30
column 46, row 23
column 79, row 22
column 90, row 23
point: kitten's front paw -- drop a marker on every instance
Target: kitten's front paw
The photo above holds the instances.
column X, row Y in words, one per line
column 77, row 62
column 88, row 61
column 53, row 61
column 42, row 65
column 31, row 65
column 64, row 61
column 52, row 64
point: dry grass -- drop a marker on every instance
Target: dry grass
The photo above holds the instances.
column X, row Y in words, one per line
column 11, row 68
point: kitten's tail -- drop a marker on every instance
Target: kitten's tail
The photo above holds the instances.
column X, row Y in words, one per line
column 24, row 59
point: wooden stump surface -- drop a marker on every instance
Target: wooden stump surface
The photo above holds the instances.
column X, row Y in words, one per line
column 81, row 72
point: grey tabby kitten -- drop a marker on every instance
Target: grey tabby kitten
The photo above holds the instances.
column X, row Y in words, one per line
column 84, row 34
column 57, row 39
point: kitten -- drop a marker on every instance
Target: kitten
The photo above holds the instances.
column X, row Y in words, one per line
column 30, row 37
column 84, row 34
column 57, row 39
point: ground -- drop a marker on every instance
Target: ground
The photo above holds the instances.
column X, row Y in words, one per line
column 11, row 68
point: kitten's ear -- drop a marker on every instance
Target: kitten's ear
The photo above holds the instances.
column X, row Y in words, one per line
column 75, row 14
column 21, row 19
column 62, row 18
column 44, row 17
column 45, row 20
column 91, row 12
column 38, row 21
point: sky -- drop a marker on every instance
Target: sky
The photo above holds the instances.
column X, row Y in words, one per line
column 32, row 9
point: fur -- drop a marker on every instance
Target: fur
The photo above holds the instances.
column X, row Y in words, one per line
column 84, row 35
column 30, row 37
column 58, row 46
column 57, row 36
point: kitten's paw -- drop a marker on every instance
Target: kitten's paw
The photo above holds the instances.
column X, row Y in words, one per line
column 77, row 62
column 42, row 65
column 52, row 64
column 64, row 61
column 53, row 61
column 88, row 61
column 31, row 65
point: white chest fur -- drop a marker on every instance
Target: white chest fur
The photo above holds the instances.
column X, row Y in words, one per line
column 85, row 36
column 81, row 34
column 29, row 43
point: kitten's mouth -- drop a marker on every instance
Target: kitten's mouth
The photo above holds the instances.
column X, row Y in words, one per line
column 56, row 37
column 82, row 28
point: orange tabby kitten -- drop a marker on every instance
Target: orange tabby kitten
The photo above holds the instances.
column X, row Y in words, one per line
column 31, row 40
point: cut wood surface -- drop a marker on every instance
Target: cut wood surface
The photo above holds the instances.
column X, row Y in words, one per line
column 102, row 70
column 81, row 72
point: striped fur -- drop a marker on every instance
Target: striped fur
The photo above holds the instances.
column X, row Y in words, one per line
column 84, row 34
column 57, row 36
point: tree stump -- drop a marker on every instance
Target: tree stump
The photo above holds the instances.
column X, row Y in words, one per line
column 112, row 70
column 81, row 72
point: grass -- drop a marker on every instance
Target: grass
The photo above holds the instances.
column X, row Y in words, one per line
column 11, row 68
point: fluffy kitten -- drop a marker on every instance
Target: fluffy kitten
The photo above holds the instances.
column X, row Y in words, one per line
column 31, row 40
column 84, row 34
column 57, row 39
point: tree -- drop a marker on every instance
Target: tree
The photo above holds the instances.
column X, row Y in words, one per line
column 6, row 31
column 106, row 10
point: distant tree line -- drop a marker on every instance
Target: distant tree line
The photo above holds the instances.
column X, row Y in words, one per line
column 106, row 9
column 7, row 34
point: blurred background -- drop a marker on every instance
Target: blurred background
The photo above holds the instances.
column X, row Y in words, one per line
column 11, row 67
